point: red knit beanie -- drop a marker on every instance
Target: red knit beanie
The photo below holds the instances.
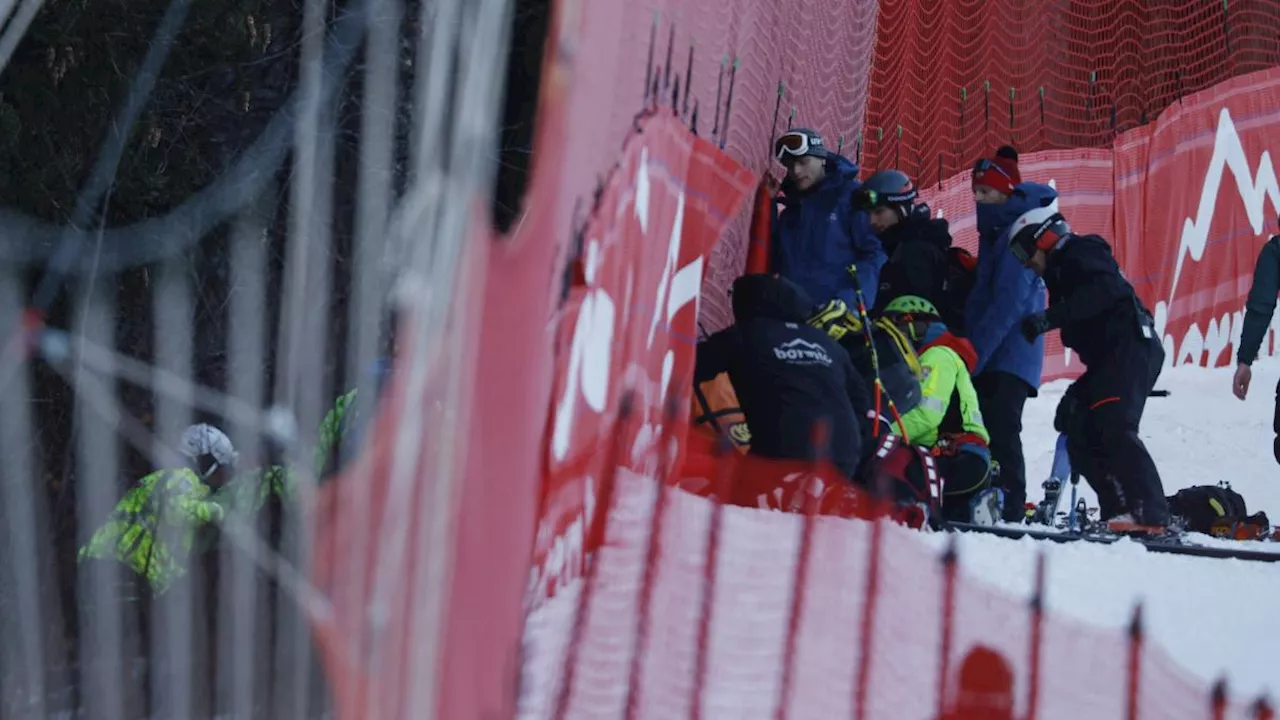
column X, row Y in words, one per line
column 999, row 172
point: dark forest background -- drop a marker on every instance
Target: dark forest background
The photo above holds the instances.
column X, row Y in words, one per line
column 231, row 71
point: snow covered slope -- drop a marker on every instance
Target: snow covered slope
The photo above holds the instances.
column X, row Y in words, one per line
column 1204, row 618
column 1198, row 435
column 1214, row 617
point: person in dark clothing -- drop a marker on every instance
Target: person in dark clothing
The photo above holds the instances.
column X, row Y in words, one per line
column 788, row 376
column 1258, row 310
column 915, row 243
column 1104, row 322
column 818, row 235
column 1009, row 365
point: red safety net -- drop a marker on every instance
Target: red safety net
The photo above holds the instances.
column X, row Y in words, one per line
column 952, row 80
column 698, row 607
column 751, row 67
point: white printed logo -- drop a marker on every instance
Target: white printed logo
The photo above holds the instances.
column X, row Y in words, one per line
column 802, row 352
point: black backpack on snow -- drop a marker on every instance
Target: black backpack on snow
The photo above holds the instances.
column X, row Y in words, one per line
column 1218, row 510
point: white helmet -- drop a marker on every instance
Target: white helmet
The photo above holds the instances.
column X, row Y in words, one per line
column 203, row 439
column 1039, row 228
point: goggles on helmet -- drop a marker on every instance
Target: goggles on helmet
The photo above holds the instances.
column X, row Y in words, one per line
column 1043, row 236
column 867, row 199
column 793, row 144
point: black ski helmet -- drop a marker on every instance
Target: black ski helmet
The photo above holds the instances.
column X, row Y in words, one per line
column 886, row 188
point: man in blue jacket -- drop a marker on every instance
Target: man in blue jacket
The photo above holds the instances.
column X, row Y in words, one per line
column 818, row 234
column 1009, row 365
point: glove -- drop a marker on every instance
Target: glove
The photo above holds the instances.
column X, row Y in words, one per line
column 1068, row 412
column 1033, row 326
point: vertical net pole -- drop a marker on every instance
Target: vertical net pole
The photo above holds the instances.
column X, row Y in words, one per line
column 652, row 557
column 1037, row 639
column 1133, row 684
column 726, row 459
column 949, row 563
column 867, row 625
column 595, row 531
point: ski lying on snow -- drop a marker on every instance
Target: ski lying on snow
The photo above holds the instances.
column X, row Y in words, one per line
column 1166, row 544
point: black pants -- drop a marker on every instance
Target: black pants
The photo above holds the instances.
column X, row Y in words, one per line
column 1002, row 397
column 1275, row 446
column 1102, row 431
column 966, row 475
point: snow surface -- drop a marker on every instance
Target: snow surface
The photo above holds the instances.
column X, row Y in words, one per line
column 1211, row 618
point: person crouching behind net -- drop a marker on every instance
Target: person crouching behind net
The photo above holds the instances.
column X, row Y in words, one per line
column 947, row 421
column 789, row 377
column 1104, row 322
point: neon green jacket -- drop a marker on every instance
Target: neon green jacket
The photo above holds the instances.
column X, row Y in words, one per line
column 248, row 492
column 153, row 527
column 946, row 381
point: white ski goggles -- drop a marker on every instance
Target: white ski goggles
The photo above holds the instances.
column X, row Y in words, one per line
column 796, row 144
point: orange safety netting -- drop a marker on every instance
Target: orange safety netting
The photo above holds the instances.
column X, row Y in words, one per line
column 952, row 80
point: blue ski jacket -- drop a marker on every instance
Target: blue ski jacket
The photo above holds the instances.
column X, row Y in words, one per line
column 818, row 235
column 1004, row 291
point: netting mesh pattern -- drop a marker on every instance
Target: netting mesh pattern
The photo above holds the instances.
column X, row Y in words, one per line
column 633, row 662
column 952, row 80
column 818, row 51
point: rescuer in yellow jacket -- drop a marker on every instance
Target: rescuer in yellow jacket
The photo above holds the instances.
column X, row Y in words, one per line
column 947, row 420
column 154, row 526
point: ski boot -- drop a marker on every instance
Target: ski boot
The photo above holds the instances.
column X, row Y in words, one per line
column 986, row 507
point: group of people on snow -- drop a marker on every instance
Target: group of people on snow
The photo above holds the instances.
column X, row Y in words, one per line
column 872, row 323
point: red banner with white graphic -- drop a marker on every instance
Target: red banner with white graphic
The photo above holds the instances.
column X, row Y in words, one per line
column 630, row 326
column 1186, row 204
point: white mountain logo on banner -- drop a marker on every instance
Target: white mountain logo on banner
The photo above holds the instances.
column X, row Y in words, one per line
column 1254, row 192
column 1228, row 154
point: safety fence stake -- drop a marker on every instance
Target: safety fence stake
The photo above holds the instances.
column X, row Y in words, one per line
column 1135, row 663
column 594, row 544
column 1011, row 118
column 688, row 82
column 1088, row 98
column 777, row 106
column 948, row 620
column 671, row 46
column 867, row 625
column 726, row 454
column 986, row 105
column 653, row 554
column 715, row 124
column 648, row 67
column 728, row 103
column 1037, row 638
column 1218, row 700
column 800, row 579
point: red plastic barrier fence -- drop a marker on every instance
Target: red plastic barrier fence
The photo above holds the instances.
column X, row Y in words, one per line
column 1186, row 202
column 698, row 608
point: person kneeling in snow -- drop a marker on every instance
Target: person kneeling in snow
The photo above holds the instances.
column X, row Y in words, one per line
column 788, row 376
column 947, row 420
column 1104, row 322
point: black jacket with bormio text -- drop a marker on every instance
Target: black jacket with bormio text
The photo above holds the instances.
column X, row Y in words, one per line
column 788, row 376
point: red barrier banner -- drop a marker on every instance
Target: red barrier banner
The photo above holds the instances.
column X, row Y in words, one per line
column 1197, row 195
column 630, row 326
column 1186, row 204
